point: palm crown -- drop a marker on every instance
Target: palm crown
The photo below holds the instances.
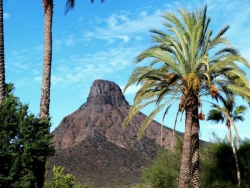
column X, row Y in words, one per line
column 229, row 112
column 229, row 107
column 187, row 61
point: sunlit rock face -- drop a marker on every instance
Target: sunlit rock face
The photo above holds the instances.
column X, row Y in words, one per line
column 106, row 92
column 91, row 143
column 104, row 113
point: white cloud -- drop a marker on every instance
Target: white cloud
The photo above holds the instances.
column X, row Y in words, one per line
column 35, row 71
column 124, row 26
column 56, row 80
column 80, row 19
column 125, row 38
column 57, row 44
column 24, row 82
column 6, row 15
column 70, row 41
column 88, row 34
column 112, row 21
column 20, row 65
column 93, row 66
column 38, row 79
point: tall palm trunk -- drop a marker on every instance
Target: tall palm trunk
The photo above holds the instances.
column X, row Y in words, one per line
column 47, row 58
column 195, row 153
column 235, row 156
column 2, row 66
column 185, row 173
column 190, row 150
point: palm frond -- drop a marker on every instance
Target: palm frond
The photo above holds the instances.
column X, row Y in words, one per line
column 238, row 118
column 226, row 51
column 70, row 4
column 221, row 33
column 149, row 118
column 173, row 136
column 134, row 110
column 136, row 75
column 215, row 115
column 239, row 110
column 241, row 91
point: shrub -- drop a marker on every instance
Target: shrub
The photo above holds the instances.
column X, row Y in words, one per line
column 61, row 180
column 218, row 167
column 164, row 170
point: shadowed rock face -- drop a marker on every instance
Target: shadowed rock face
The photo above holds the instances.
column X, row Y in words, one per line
column 91, row 143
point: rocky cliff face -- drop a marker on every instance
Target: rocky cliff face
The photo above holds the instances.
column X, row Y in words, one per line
column 105, row 92
column 92, row 138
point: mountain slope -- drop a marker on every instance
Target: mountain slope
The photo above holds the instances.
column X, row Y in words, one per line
column 92, row 145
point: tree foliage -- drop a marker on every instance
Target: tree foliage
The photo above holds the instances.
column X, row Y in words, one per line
column 25, row 144
column 218, row 166
column 61, row 180
column 244, row 161
column 164, row 170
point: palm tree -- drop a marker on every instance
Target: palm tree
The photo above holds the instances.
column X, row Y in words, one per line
column 187, row 62
column 229, row 113
column 47, row 58
column 2, row 64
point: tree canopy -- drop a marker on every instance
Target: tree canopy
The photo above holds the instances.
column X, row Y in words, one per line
column 25, row 144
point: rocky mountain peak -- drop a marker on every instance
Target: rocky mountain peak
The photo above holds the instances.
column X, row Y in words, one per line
column 106, row 92
column 91, row 143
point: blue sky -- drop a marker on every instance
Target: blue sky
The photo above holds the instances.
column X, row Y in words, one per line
column 101, row 41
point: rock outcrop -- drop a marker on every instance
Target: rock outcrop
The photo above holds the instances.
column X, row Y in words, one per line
column 92, row 144
column 106, row 92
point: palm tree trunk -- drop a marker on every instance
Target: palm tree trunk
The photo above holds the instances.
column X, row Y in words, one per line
column 195, row 154
column 235, row 156
column 185, row 171
column 190, row 150
column 2, row 65
column 46, row 82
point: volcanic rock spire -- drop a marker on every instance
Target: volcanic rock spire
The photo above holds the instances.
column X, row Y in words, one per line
column 106, row 92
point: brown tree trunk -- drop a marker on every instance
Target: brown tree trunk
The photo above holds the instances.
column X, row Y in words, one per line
column 189, row 173
column 2, row 64
column 47, row 59
column 195, row 154
column 235, row 156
